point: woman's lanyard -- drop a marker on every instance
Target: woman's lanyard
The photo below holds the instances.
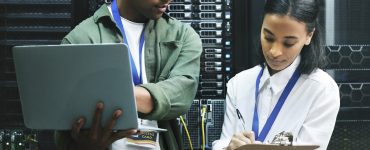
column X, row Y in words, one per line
column 117, row 18
column 271, row 119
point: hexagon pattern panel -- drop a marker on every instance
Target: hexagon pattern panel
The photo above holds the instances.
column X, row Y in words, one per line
column 349, row 65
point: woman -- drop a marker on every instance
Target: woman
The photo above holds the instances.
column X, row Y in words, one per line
column 288, row 91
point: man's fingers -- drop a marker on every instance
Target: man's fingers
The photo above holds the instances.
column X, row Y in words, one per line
column 139, row 132
column 109, row 127
column 122, row 134
column 76, row 128
column 95, row 127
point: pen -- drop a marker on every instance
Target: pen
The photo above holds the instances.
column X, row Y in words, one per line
column 240, row 118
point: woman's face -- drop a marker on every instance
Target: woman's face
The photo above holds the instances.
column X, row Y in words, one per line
column 282, row 39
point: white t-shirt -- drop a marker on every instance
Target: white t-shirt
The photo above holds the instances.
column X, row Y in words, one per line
column 133, row 32
column 309, row 111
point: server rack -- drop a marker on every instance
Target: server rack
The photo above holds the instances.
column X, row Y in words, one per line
column 211, row 19
column 348, row 39
column 27, row 22
column 214, row 120
column 349, row 65
column 193, row 119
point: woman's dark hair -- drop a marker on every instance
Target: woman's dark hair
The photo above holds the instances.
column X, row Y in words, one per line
column 306, row 11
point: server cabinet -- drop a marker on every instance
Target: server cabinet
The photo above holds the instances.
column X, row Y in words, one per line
column 28, row 22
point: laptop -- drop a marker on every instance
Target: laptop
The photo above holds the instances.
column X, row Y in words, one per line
column 59, row 83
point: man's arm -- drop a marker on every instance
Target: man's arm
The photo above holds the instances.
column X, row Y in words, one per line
column 173, row 96
column 144, row 101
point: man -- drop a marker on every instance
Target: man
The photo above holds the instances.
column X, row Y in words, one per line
column 166, row 54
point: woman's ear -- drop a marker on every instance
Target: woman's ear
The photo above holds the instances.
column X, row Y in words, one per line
column 309, row 37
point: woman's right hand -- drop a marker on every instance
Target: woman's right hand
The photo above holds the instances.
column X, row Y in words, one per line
column 240, row 139
column 97, row 137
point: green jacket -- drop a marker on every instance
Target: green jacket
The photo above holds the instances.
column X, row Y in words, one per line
column 172, row 61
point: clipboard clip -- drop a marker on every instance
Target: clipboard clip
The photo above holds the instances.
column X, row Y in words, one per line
column 283, row 139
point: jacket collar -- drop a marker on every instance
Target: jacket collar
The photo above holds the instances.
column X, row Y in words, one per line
column 103, row 12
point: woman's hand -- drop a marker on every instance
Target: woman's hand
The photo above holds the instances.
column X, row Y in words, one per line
column 98, row 137
column 240, row 139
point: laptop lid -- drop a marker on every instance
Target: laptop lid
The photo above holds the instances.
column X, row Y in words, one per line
column 60, row 83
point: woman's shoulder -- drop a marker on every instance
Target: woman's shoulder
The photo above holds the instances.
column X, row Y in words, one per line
column 246, row 75
column 322, row 78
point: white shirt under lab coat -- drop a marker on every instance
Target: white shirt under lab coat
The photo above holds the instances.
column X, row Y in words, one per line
column 309, row 111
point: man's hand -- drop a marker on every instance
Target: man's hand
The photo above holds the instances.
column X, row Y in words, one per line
column 240, row 139
column 98, row 137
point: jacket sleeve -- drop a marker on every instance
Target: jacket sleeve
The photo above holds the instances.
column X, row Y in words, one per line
column 320, row 121
column 173, row 96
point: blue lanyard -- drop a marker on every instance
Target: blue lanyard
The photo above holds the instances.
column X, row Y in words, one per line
column 117, row 18
column 270, row 121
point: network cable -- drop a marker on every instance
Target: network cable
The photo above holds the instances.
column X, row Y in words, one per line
column 203, row 111
column 187, row 132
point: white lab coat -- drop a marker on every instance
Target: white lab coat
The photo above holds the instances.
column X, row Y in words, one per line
column 309, row 111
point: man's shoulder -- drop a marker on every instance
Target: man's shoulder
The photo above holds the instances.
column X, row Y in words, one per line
column 171, row 20
column 86, row 25
column 88, row 30
column 83, row 31
column 171, row 28
column 173, row 23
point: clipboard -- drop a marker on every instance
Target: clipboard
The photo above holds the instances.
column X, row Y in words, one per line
column 277, row 147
